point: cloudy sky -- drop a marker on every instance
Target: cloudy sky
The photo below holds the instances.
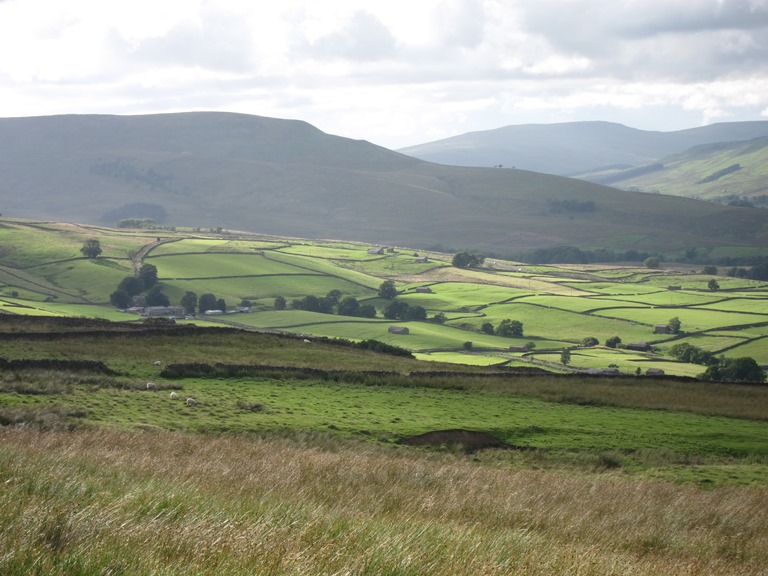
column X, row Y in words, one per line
column 394, row 72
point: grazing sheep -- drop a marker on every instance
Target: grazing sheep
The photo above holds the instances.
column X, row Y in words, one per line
column 174, row 396
column 151, row 386
column 307, row 341
column 191, row 402
column 157, row 363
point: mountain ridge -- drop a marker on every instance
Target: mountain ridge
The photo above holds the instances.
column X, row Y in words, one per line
column 286, row 177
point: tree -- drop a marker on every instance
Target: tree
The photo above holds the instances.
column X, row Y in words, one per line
column 686, row 352
column 91, row 248
column 565, row 357
column 388, row 290
column 439, row 318
column 189, row 302
column 468, row 260
column 713, row 285
column 333, row 296
column 467, row 345
column 367, row 311
column 221, row 305
column 487, row 328
column 652, row 262
column 279, row 302
column 206, row 302
column 349, row 306
column 613, row 342
column 415, row 312
column 395, row 309
column 709, row 270
column 674, row 325
column 310, row 303
column 245, row 303
column 744, row 369
column 148, row 275
column 132, row 285
column 156, row 297
column 590, row 341
column 509, row 328
column 120, row 299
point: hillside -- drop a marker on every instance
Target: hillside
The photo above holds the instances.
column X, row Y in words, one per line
column 709, row 172
column 286, row 177
column 576, row 147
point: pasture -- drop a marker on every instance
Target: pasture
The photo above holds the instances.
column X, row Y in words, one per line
column 559, row 306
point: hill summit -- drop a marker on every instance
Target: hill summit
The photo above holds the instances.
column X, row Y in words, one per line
column 286, row 177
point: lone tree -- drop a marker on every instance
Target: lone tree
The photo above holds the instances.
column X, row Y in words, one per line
column 189, row 302
column 613, row 342
column 388, row 290
column 652, row 262
column 91, row 248
column 713, row 285
column 509, row 328
column 674, row 325
column 565, row 357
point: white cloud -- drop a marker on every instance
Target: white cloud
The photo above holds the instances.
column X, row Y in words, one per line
column 397, row 72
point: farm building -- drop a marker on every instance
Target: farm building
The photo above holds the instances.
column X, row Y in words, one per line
column 378, row 251
column 398, row 330
column 640, row 347
column 163, row 311
column 423, row 290
column 661, row 329
column 517, row 349
column 213, row 312
column 422, row 259
column 654, row 372
column 674, row 287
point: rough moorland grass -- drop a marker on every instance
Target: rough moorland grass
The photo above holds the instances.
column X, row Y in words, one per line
column 168, row 503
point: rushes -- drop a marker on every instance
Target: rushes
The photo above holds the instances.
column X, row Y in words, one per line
column 182, row 504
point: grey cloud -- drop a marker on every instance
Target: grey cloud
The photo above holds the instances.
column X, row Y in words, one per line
column 462, row 23
column 683, row 39
column 221, row 42
column 363, row 38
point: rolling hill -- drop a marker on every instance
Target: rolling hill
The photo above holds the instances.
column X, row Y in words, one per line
column 286, row 177
column 710, row 172
column 576, row 148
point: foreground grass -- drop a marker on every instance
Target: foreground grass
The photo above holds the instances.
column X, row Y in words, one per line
column 106, row 502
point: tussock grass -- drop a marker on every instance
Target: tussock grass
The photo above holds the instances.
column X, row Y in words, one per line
column 165, row 503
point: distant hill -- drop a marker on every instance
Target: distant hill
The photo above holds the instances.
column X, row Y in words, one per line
column 288, row 178
column 576, row 148
column 712, row 171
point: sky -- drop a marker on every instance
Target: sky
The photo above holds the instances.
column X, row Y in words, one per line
column 393, row 72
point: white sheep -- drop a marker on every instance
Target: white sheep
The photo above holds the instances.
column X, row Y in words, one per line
column 157, row 363
column 306, row 341
column 191, row 402
column 151, row 386
column 174, row 396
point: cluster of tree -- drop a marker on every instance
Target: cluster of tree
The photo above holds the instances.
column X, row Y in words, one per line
column 207, row 301
column 574, row 255
column 468, row 260
column 331, row 303
column 744, row 369
column 569, row 205
column 399, row 310
column 743, row 201
column 719, row 174
column 757, row 272
column 506, row 328
column 143, row 223
column 145, row 282
column 686, row 352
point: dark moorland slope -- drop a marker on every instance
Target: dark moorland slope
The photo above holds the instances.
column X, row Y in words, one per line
column 286, row 177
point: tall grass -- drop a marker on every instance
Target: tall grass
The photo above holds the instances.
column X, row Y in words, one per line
column 163, row 503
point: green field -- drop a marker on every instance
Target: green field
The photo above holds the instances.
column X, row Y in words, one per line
column 559, row 306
